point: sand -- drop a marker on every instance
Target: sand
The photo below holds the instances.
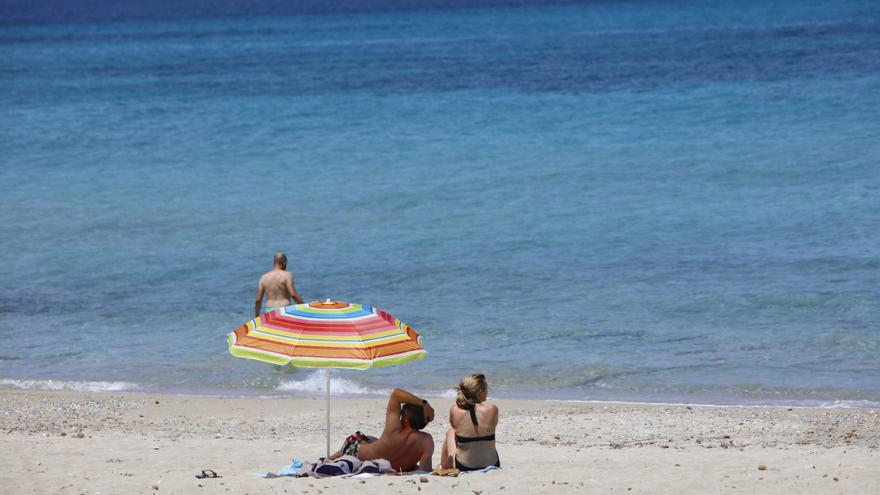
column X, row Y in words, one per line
column 72, row 443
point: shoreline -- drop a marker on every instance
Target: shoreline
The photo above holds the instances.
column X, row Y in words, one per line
column 701, row 400
column 79, row 442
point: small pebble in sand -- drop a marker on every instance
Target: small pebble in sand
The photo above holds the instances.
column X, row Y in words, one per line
column 155, row 487
column 762, row 467
column 835, row 479
column 423, row 479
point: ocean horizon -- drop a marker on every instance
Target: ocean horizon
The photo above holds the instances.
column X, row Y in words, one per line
column 644, row 201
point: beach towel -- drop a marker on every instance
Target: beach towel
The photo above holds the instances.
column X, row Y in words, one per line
column 371, row 469
column 484, row 470
column 343, row 465
column 296, row 468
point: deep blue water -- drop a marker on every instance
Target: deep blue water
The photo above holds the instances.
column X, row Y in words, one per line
column 609, row 200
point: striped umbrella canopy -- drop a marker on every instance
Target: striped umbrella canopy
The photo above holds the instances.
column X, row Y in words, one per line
column 328, row 334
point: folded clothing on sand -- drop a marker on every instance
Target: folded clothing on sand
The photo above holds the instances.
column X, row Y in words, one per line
column 445, row 472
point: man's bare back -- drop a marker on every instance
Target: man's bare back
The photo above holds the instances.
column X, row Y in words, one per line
column 402, row 443
column 277, row 286
column 404, row 450
column 275, row 289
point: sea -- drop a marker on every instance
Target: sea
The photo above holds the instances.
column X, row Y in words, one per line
column 645, row 201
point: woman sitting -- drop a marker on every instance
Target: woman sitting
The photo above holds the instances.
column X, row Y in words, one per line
column 470, row 440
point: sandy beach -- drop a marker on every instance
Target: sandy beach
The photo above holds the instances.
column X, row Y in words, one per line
column 622, row 200
column 66, row 442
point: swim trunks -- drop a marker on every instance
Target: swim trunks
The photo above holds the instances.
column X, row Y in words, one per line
column 269, row 308
column 352, row 444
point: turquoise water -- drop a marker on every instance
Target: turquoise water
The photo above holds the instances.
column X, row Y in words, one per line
column 664, row 201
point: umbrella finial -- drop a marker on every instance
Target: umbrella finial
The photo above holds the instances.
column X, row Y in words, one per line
column 329, row 304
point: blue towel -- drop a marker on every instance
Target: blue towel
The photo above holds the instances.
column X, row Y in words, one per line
column 295, row 469
column 484, row 470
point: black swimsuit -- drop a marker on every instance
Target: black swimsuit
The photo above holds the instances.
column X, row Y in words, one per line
column 460, row 439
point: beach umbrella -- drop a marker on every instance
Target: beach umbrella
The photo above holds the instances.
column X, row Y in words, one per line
column 328, row 334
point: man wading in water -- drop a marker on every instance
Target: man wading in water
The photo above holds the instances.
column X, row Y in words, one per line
column 277, row 286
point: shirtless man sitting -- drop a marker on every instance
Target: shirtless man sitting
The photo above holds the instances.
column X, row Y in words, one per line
column 277, row 286
column 401, row 443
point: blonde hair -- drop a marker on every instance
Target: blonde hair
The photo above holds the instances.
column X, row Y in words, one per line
column 469, row 388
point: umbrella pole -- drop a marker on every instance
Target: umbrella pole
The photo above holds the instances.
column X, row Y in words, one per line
column 327, row 388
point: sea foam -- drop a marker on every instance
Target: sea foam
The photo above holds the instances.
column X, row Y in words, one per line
column 315, row 383
column 79, row 386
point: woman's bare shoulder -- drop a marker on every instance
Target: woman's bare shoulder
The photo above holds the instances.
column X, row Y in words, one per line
column 491, row 410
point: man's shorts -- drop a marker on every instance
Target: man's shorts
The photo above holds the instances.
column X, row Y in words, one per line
column 352, row 444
